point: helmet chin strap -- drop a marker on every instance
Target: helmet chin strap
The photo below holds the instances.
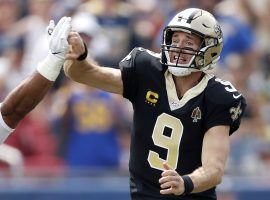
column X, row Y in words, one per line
column 177, row 71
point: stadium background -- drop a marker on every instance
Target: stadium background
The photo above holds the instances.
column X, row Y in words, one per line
column 75, row 144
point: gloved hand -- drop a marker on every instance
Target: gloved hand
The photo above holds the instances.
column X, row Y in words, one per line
column 58, row 47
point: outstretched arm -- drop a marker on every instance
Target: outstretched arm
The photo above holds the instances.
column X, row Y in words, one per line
column 31, row 91
column 88, row 71
column 24, row 98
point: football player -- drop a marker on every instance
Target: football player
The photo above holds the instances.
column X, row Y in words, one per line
column 183, row 116
column 31, row 91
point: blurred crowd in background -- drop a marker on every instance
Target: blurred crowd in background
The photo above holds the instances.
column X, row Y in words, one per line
column 78, row 128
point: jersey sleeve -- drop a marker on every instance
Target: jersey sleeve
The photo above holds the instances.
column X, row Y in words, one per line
column 129, row 75
column 5, row 130
column 225, row 112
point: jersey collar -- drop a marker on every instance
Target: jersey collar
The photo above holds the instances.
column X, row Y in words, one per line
column 173, row 99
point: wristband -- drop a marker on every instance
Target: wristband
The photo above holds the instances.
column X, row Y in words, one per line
column 84, row 55
column 50, row 67
column 188, row 184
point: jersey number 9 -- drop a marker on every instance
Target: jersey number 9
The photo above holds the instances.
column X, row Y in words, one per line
column 171, row 144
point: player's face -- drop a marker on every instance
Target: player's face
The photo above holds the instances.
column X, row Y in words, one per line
column 187, row 41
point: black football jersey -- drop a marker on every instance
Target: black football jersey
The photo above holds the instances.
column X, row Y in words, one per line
column 170, row 129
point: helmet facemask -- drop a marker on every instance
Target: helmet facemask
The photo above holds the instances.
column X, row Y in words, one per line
column 170, row 50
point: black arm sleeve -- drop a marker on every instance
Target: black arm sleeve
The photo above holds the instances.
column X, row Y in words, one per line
column 225, row 114
column 129, row 75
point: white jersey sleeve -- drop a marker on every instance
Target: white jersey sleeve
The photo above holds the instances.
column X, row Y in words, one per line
column 5, row 130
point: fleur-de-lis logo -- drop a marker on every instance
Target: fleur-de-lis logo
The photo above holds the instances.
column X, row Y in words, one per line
column 218, row 31
column 236, row 112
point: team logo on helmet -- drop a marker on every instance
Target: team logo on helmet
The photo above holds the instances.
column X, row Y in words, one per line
column 218, row 31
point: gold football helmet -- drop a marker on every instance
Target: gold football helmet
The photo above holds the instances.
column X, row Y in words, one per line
column 198, row 22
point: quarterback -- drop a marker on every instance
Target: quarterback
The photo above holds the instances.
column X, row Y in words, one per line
column 183, row 115
column 31, row 91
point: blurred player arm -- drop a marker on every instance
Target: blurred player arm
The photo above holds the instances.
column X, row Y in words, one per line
column 24, row 98
column 32, row 90
column 87, row 71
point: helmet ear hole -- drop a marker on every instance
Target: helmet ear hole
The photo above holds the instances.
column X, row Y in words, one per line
column 213, row 54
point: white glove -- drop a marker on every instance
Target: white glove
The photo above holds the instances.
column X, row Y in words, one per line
column 57, row 36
